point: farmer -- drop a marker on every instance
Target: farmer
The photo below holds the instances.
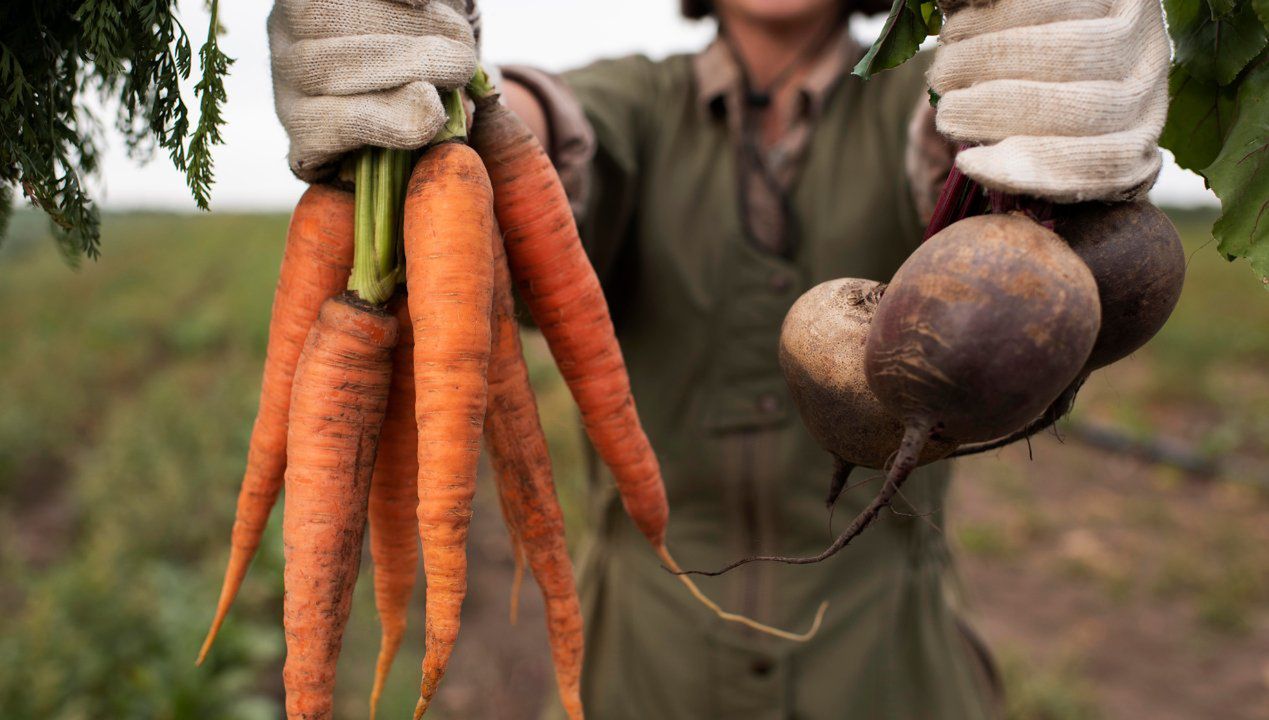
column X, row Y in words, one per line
column 712, row 190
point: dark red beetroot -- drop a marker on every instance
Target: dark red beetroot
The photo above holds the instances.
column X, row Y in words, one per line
column 982, row 328
column 1138, row 262
column 1137, row 259
column 977, row 334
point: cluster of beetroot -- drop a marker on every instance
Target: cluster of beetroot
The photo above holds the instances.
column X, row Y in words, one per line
column 982, row 338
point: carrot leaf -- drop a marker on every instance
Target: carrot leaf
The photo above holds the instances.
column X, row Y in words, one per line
column 130, row 54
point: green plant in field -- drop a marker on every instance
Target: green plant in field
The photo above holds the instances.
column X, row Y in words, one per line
column 105, row 524
column 1218, row 119
column 131, row 52
column 985, row 540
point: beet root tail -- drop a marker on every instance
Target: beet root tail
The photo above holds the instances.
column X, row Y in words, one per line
column 1060, row 408
column 841, row 474
column 915, row 437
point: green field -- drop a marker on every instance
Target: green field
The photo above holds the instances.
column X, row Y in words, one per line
column 127, row 389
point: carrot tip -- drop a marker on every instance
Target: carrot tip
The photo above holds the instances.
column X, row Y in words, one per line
column 207, row 642
column 374, row 695
column 704, row 599
column 516, row 583
column 388, row 646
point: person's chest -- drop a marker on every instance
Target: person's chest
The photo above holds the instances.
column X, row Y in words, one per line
column 697, row 281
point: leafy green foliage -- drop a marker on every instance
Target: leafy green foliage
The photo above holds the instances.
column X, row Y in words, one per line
column 131, row 52
column 1240, row 176
column 1214, row 47
column 1218, row 122
column 1199, row 117
column 909, row 23
column 1221, row 7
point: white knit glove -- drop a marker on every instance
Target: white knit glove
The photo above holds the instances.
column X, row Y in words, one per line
column 349, row 73
column 1066, row 97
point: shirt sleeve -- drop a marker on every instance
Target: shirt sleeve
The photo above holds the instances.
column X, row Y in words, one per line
column 927, row 160
column 599, row 119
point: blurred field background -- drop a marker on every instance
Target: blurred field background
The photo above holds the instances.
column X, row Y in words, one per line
column 1109, row 586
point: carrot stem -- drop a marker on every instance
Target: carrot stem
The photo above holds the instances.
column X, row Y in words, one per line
column 456, row 127
column 385, row 222
column 480, row 86
column 380, row 179
column 362, row 281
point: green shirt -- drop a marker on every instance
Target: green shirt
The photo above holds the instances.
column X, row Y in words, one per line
column 698, row 306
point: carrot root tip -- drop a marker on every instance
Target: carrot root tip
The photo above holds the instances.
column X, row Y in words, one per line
column 748, row 622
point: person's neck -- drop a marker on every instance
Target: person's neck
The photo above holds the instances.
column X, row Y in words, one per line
column 767, row 49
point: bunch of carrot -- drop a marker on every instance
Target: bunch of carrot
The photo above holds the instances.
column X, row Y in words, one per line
column 393, row 347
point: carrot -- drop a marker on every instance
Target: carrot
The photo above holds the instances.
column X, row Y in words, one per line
column 338, row 402
column 563, row 294
column 394, row 540
column 449, row 274
column 315, row 266
column 526, row 489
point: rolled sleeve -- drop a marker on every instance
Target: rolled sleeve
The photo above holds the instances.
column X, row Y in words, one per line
column 928, row 159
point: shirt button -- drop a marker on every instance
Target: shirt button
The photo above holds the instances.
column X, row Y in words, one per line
column 780, row 282
column 761, row 667
column 769, row 403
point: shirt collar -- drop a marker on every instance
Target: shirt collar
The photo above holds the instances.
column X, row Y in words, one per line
column 718, row 74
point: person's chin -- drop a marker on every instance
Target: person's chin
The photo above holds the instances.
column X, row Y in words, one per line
column 783, row 12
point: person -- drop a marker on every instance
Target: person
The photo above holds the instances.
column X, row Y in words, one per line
column 711, row 190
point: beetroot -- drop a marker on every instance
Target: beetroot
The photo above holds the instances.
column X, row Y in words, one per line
column 1137, row 259
column 1138, row 262
column 980, row 330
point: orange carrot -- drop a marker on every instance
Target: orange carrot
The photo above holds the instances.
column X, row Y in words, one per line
column 315, row 267
column 526, row 489
column 394, row 497
column 338, row 402
column 449, row 274
column 563, row 294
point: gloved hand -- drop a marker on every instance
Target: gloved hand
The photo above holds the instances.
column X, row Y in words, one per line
column 1066, row 97
column 349, row 73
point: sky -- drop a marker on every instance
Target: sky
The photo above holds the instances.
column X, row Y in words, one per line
column 251, row 169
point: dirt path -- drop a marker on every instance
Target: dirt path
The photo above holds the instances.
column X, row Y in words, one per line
column 1142, row 589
